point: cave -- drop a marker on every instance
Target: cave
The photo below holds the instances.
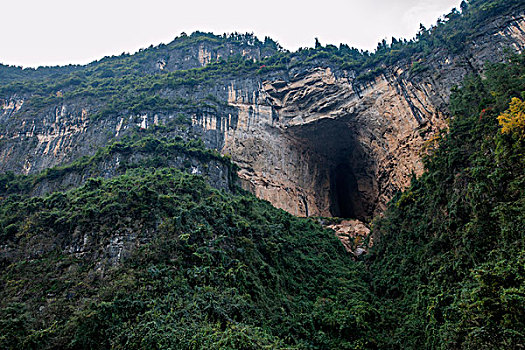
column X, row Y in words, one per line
column 341, row 165
column 343, row 191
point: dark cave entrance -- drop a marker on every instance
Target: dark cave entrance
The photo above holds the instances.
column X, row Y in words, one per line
column 340, row 163
column 343, row 188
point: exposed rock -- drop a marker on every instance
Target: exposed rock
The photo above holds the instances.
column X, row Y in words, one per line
column 217, row 173
column 321, row 143
column 313, row 141
column 353, row 234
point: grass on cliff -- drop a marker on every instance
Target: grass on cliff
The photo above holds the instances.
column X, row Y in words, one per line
column 155, row 258
column 122, row 85
column 157, row 148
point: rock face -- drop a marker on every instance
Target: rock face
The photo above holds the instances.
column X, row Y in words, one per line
column 353, row 234
column 317, row 143
column 313, row 141
column 345, row 151
column 216, row 172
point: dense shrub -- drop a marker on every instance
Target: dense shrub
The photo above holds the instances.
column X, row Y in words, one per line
column 448, row 271
column 203, row 269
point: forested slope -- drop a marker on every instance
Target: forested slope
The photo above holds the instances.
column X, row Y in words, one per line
column 155, row 258
column 449, row 265
column 148, row 242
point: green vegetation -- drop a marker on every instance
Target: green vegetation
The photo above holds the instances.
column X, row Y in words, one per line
column 131, row 83
column 449, row 268
column 156, row 258
column 214, row 270
column 158, row 151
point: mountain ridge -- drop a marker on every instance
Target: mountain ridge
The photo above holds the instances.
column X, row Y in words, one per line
column 128, row 218
column 385, row 107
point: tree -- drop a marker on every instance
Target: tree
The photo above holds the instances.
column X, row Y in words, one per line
column 513, row 119
column 463, row 6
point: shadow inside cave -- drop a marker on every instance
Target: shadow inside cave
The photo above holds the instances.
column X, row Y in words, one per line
column 342, row 163
column 343, row 191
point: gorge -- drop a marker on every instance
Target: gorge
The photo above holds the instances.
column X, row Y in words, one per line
column 186, row 196
column 315, row 141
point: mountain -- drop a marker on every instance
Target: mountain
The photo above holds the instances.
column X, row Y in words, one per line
column 127, row 209
column 296, row 123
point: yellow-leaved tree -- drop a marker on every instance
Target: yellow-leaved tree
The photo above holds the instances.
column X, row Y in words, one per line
column 513, row 119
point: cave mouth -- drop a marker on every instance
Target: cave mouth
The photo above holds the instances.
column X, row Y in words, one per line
column 343, row 188
column 341, row 167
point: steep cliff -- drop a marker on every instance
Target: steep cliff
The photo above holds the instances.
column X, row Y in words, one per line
column 128, row 229
column 321, row 142
column 312, row 136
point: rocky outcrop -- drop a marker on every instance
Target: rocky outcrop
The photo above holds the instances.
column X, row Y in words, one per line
column 320, row 143
column 215, row 171
column 200, row 49
column 313, row 141
column 314, row 145
column 38, row 143
column 354, row 235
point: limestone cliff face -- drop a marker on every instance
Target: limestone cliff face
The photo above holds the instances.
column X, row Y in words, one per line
column 312, row 141
column 316, row 145
column 37, row 143
column 178, row 55
column 317, row 142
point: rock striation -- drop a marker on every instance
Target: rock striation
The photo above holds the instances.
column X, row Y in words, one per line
column 321, row 143
column 313, row 140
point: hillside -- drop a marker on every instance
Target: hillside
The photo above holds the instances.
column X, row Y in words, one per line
column 448, row 262
column 172, row 199
column 296, row 123
column 155, row 258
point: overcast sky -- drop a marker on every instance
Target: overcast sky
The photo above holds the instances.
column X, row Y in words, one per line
column 58, row 32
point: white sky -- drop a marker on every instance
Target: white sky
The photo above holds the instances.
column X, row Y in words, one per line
column 58, row 32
